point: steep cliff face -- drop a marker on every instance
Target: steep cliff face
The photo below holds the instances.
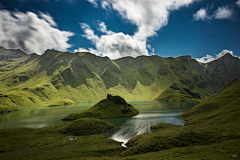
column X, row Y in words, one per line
column 57, row 78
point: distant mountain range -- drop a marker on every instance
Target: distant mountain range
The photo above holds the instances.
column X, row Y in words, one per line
column 58, row 78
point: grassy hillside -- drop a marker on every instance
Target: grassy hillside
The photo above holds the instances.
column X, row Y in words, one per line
column 86, row 126
column 111, row 107
column 221, row 109
column 59, row 78
column 180, row 92
column 213, row 122
column 212, row 131
column 50, row 143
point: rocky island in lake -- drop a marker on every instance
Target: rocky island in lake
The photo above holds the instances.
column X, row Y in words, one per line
column 111, row 107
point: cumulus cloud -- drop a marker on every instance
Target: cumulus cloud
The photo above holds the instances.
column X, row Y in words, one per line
column 201, row 15
column 89, row 33
column 148, row 16
column 223, row 13
column 209, row 58
column 114, row 45
column 238, row 3
column 103, row 28
column 30, row 33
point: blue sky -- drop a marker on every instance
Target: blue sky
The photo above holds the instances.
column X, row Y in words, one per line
column 204, row 29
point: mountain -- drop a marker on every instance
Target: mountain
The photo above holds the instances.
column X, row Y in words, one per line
column 59, row 78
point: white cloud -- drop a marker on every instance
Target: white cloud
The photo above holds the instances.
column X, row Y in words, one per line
column 201, row 15
column 89, row 33
column 209, row 58
column 105, row 4
column 238, row 3
column 206, row 59
column 151, row 49
column 148, row 16
column 94, row 3
column 223, row 13
column 113, row 45
column 223, row 52
column 49, row 19
column 103, row 28
column 81, row 50
column 30, row 33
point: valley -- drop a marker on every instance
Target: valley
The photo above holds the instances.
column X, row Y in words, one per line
column 211, row 131
column 62, row 78
column 119, row 79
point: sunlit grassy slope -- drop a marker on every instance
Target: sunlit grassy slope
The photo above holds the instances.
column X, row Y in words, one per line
column 60, row 78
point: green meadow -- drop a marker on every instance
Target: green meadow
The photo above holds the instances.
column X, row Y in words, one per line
column 211, row 132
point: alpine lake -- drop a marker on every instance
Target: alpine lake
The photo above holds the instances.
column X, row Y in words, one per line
column 151, row 113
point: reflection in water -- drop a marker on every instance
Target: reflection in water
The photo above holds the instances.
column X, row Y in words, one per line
column 37, row 117
column 151, row 113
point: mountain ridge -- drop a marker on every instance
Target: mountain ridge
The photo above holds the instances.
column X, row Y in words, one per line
column 58, row 78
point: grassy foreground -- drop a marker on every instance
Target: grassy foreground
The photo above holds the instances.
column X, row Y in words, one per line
column 48, row 143
column 86, row 126
column 212, row 131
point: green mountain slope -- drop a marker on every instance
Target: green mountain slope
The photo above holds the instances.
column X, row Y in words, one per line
column 213, row 122
column 221, row 109
column 58, row 78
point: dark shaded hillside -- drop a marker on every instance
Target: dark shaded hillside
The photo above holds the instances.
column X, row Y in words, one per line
column 201, row 79
column 10, row 54
column 225, row 69
column 221, row 109
column 57, row 78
